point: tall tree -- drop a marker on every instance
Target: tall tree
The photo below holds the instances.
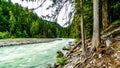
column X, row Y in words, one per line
column 105, row 18
column 96, row 31
column 12, row 22
column 82, row 29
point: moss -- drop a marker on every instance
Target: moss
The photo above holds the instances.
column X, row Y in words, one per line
column 118, row 48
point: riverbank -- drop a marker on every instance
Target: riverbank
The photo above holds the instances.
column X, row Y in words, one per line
column 24, row 41
column 106, row 55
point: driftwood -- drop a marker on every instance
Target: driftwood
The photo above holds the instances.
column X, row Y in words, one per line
column 75, row 46
column 108, row 29
column 113, row 32
column 106, row 55
column 103, row 57
column 78, row 44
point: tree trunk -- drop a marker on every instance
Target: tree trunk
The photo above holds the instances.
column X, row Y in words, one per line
column 82, row 29
column 105, row 18
column 96, row 31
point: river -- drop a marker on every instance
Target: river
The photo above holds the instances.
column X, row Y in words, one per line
column 31, row 55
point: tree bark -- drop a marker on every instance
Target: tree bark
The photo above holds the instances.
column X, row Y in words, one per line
column 96, row 30
column 105, row 18
column 82, row 29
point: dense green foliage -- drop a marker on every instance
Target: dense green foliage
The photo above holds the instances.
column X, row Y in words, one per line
column 115, row 10
column 75, row 27
column 16, row 21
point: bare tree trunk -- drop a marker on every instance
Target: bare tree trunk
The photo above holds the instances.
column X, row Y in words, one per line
column 83, row 29
column 96, row 30
column 105, row 18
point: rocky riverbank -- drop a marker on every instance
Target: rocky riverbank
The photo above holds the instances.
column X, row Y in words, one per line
column 106, row 55
column 23, row 41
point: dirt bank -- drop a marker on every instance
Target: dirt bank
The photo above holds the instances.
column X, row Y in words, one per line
column 23, row 41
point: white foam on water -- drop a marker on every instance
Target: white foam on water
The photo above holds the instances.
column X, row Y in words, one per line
column 31, row 55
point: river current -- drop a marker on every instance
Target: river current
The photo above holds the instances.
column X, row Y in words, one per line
column 31, row 55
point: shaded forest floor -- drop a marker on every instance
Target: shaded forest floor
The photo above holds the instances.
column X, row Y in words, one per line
column 106, row 55
column 103, row 57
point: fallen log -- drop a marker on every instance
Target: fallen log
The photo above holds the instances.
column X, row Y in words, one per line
column 75, row 46
column 108, row 29
column 113, row 32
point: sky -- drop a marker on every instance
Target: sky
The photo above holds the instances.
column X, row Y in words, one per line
column 62, row 17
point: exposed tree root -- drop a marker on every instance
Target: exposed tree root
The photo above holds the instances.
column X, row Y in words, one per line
column 105, row 56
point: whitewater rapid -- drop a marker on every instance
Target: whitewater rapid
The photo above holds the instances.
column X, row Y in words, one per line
column 31, row 55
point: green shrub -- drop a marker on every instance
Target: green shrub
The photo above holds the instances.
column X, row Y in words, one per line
column 4, row 35
column 117, row 22
column 25, row 34
column 18, row 34
column 62, row 61
column 12, row 37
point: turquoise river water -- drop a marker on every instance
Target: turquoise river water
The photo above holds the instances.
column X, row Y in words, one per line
column 31, row 55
